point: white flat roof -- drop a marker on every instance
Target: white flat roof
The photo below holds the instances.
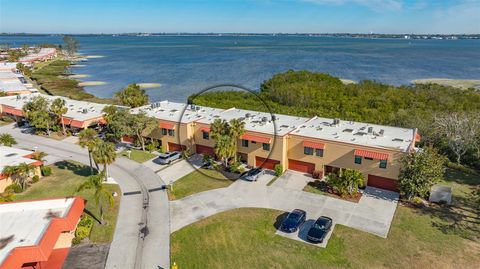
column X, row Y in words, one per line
column 28, row 221
column 77, row 110
column 176, row 112
column 357, row 133
column 12, row 156
column 259, row 121
column 7, row 66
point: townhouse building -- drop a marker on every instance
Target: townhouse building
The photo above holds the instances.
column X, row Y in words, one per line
column 12, row 157
column 80, row 114
column 38, row 234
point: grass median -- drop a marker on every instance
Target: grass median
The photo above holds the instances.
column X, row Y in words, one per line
column 198, row 181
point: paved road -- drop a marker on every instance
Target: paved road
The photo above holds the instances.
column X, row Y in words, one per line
column 133, row 245
column 372, row 214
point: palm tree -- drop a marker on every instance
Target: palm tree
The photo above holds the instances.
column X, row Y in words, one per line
column 6, row 197
column 218, row 128
column 19, row 174
column 87, row 140
column 58, row 108
column 353, row 179
column 7, row 140
column 101, row 195
column 39, row 156
column 104, row 153
column 223, row 148
column 237, row 129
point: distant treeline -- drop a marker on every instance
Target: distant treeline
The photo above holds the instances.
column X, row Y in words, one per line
column 307, row 94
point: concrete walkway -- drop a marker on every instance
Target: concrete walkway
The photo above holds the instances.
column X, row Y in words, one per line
column 372, row 214
column 179, row 169
column 142, row 235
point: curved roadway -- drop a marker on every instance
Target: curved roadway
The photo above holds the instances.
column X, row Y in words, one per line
column 142, row 233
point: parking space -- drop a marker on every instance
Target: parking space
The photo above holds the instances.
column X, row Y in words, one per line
column 301, row 234
column 178, row 169
column 261, row 181
column 292, row 180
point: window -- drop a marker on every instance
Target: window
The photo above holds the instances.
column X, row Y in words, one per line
column 358, row 159
column 266, row 146
column 206, row 135
column 254, row 142
column 319, row 152
column 164, row 131
column 383, row 164
column 171, row 132
column 307, row 150
column 244, row 143
column 368, row 158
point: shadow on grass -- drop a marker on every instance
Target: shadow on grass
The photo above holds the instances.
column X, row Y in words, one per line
column 320, row 185
column 452, row 175
column 461, row 218
column 76, row 168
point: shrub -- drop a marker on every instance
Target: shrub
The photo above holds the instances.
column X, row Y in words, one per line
column 76, row 241
column 46, row 171
column 15, row 187
column 316, row 174
column 84, row 228
column 241, row 170
column 417, row 201
column 278, row 170
column 35, row 179
column 151, row 147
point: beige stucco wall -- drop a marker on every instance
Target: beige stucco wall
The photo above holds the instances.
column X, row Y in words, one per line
column 183, row 135
column 65, row 240
column 5, row 183
column 342, row 155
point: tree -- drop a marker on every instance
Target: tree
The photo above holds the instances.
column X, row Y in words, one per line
column 237, row 129
column 420, row 171
column 132, row 96
column 58, row 109
column 101, row 195
column 71, row 45
column 140, row 123
column 347, row 182
column 460, row 130
column 7, row 140
column 104, row 153
column 38, row 115
column 86, row 139
column 118, row 122
column 223, row 148
column 19, row 174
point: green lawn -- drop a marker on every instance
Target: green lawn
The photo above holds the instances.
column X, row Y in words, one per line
column 198, row 181
column 419, row 238
column 65, row 178
column 138, row 155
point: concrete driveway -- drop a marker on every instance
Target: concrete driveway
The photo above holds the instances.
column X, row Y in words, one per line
column 177, row 170
column 372, row 214
column 292, row 180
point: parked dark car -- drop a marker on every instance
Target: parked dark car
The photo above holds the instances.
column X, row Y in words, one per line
column 253, row 174
column 168, row 157
column 293, row 221
column 319, row 229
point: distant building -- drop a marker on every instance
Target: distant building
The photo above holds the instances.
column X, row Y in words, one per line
column 12, row 157
column 13, row 82
column 80, row 114
column 38, row 234
column 43, row 54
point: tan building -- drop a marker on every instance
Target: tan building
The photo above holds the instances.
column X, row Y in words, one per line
column 12, row 157
column 306, row 145
column 175, row 131
column 80, row 114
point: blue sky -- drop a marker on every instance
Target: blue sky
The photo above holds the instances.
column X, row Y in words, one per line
column 265, row 16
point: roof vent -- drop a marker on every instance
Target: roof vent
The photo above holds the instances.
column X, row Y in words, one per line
column 19, row 97
column 348, row 130
column 84, row 111
column 247, row 115
column 370, row 130
column 381, row 132
column 397, row 140
column 274, row 118
column 336, row 122
column 264, row 119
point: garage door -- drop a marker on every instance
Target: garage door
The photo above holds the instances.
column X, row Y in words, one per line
column 205, row 150
column 300, row 166
column 175, row 147
column 266, row 163
column 382, row 183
